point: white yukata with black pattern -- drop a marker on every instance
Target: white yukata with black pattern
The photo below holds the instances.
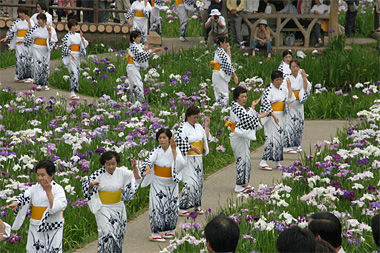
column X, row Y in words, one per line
column 295, row 119
column 140, row 23
column 249, row 122
column 274, row 134
column 23, row 58
column 192, row 174
column 111, row 219
column 44, row 235
column 285, row 69
column 221, row 78
column 182, row 10
column 73, row 66
column 155, row 17
column 163, row 195
column 40, row 54
column 140, row 58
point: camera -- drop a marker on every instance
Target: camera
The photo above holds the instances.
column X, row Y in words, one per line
column 216, row 16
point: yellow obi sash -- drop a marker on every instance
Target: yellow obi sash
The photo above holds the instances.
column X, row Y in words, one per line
column 139, row 14
column 162, row 171
column 215, row 64
column 297, row 94
column 21, row 33
column 40, row 42
column 278, row 106
column 152, row 3
column 129, row 59
column 108, row 198
column 75, row 47
column 198, row 144
column 178, row 2
column 231, row 125
column 38, row 212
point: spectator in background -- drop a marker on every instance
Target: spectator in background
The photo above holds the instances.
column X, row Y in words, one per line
column 289, row 8
column 252, row 6
column 65, row 13
column 304, row 6
column 104, row 16
column 222, row 234
column 375, row 225
column 352, row 11
column 235, row 8
column 377, row 15
column 208, row 6
column 262, row 38
column 217, row 24
column 327, row 226
column 77, row 14
column 295, row 239
column 88, row 16
column 319, row 9
column 122, row 5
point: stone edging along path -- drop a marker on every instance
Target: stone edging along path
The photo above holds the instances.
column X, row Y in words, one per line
column 217, row 188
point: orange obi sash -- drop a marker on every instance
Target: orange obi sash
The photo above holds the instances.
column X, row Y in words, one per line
column 278, row 106
column 215, row 64
column 40, row 42
column 21, row 33
column 178, row 2
column 108, row 198
column 75, row 47
column 129, row 59
column 162, row 171
column 297, row 94
column 152, row 3
column 38, row 212
column 139, row 14
column 231, row 125
column 198, row 144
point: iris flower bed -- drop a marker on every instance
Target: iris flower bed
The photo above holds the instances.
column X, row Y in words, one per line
column 340, row 177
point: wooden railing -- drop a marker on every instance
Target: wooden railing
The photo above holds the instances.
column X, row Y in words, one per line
column 96, row 9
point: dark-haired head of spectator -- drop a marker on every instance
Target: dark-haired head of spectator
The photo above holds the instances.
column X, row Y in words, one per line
column 321, row 246
column 41, row 7
column 327, row 226
column 375, row 225
column 222, row 234
column 295, row 239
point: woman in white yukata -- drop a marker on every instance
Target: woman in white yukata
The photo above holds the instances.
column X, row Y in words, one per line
column 140, row 10
column 183, row 6
column 223, row 70
column 155, row 17
column 284, row 65
column 243, row 126
column 137, row 59
column 105, row 191
column 275, row 100
column 41, row 38
column 17, row 32
column 42, row 9
column 163, row 172
column 48, row 201
column 74, row 47
column 192, row 140
column 295, row 119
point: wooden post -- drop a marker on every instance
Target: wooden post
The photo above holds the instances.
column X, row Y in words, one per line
column 333, row 18
column 96, row 13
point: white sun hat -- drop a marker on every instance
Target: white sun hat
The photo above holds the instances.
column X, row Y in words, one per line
column 215, row 12
column 263, row 22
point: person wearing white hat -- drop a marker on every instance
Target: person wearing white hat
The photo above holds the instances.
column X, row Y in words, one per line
column 217, row 23
column 262, row 38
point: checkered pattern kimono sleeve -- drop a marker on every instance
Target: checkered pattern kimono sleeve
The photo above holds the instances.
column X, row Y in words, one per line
column 130, row 12
column 182, row 141
column 12, row 30
column 246, row 121
column 22, row 201
column 87, row 192
column 225, row 62
column 66, row 49
column 265, row 103
column 148, row 161
column 28, row 39
column 139, row 55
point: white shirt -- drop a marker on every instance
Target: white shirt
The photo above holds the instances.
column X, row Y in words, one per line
column 252, row 5
column 215, row 27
